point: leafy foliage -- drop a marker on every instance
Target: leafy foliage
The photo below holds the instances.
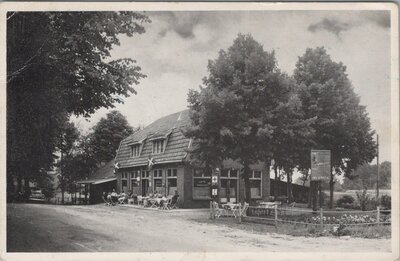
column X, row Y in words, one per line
column 107, row 134
column 245, row 109
column 342, row 124
column 386, row 201
column 345, row 201
column 58, row 63
column 366, row 175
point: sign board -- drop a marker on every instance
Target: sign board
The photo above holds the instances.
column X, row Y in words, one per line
column 214, row 192
column 214, row 180
column 320, row 165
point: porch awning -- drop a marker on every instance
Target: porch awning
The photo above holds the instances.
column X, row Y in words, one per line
column 95, row 181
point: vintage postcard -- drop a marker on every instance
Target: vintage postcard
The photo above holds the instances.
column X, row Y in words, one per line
column 199, row 131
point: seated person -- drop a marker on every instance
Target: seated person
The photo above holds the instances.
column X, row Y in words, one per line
column 104, row 196
column 122, row 197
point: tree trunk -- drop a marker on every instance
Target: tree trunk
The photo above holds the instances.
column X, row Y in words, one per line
column 62, row 190
column 268, row 168
column 314, row 186
column 62, row 179
column 289, row 187
column 276, row 187
column 19, row 184
column 331, row 188
column 246, row 177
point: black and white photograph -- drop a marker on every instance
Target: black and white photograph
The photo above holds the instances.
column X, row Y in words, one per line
column 226, row 128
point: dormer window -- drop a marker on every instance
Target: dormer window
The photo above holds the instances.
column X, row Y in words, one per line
column 158, row 146
column 135, row 150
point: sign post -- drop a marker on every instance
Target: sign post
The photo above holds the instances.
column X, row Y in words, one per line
column 214, row 185
column 320, row 170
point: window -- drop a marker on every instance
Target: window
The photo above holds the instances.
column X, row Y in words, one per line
column 158, row 146
column 124, row 181
column 145, row 174
column 135, row 151
column 172, row 181
column 255, row 184
column 158, row 181
column 157, row 173
column 229, row 185
column 201, row 185
column 172, row 173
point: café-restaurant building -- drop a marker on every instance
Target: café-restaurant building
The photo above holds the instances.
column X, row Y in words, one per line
column 156, row 160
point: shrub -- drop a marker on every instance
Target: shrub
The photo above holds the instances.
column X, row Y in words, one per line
column 362, row 197
column 371, row 204
column 340, row 230
column 345, row 201
column 386, row 202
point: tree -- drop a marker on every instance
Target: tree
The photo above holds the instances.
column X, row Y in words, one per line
column 235, row 114
column 365, row 176
column 107, row 135
column 69, row 136
column 58, row 63
column 342, row 125
column 292, row 136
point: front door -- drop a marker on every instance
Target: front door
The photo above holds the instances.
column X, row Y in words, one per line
column 145, row 187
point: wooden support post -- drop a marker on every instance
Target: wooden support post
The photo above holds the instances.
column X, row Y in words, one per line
column 211, row 209
column 276, row 215
column 321, row 217
column 320, row 194
column 240, row 213
column 378, row 215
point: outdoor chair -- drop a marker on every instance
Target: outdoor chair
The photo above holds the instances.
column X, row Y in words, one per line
column 244, row 209
column 166, row 205
column 174, row 202
column 218, row 211
column 106, row 202
column 139, row 200
column 114, row 201
column 153, row 203
column 122, row 200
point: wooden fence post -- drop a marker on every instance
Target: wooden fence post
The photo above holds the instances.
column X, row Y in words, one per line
column 378, row 215
column 276, row 215
column 321, row 217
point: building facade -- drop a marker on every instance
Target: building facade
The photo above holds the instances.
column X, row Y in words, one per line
column 155, row 160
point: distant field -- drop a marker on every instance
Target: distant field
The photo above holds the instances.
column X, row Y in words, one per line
column 371, row 193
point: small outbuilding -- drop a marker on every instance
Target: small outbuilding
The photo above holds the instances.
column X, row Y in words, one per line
column 103, row 180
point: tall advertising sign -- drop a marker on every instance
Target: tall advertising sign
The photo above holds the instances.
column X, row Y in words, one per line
column 320, row 165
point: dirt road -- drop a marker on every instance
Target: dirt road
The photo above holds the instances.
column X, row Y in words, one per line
column 56, row 228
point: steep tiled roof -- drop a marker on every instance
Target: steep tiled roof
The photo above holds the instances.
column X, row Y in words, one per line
column 102, row 173
column 169, row 127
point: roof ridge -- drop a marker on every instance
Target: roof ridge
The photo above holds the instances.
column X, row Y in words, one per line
column 157, row 121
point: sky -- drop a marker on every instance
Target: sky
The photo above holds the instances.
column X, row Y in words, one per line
column 175, row 49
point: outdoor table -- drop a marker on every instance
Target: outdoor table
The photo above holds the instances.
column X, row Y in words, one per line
column 145, row 200
column 231, row 208
column 153, row 202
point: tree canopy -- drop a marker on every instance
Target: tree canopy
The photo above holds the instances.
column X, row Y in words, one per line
column 107, row 134
column 240, row 110
column 365, row 176
column 59, row 63
column 342, row 125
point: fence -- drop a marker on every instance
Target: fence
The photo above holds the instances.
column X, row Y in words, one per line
column 320, row 218
column 69, row 199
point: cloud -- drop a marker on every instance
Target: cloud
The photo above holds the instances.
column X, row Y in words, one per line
column 331, row 25
column 380, row 18
column 184, row 23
